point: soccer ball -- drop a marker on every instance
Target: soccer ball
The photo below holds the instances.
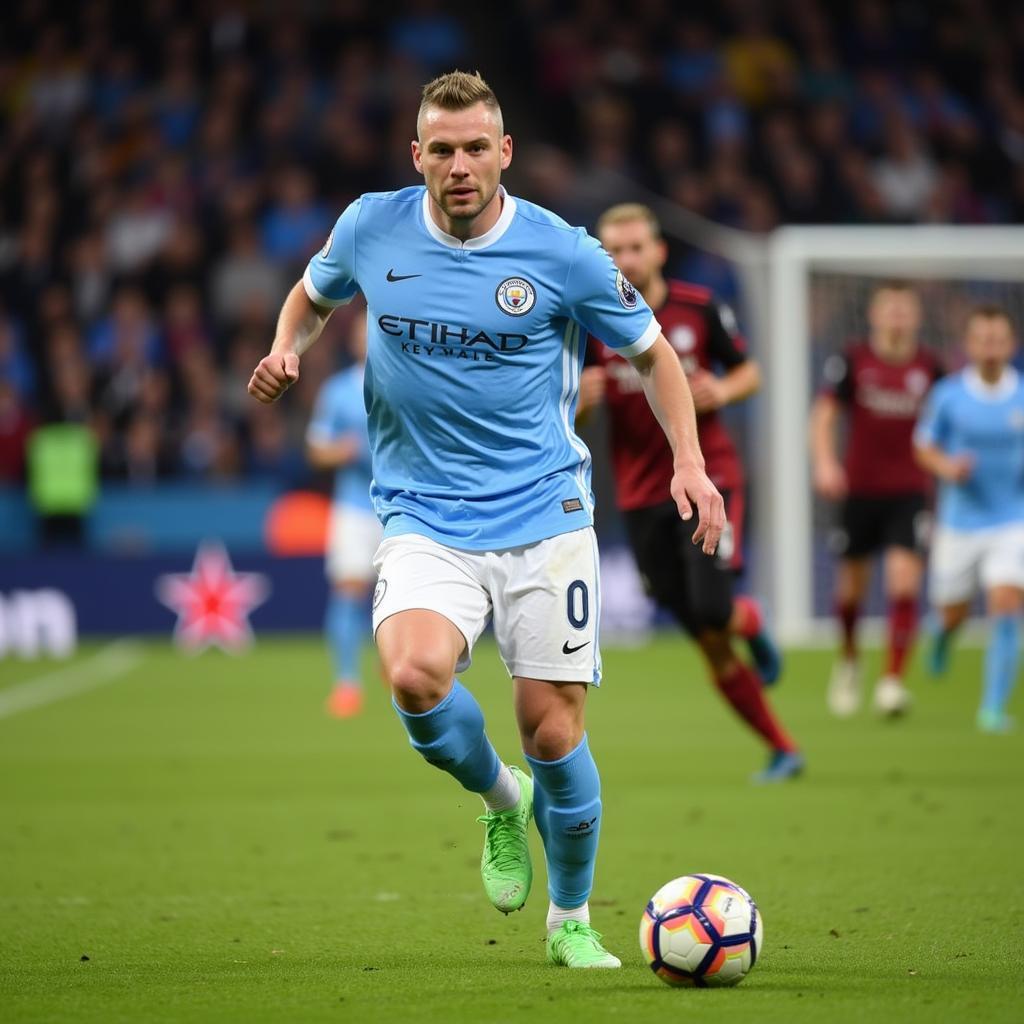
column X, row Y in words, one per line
column 701, row 930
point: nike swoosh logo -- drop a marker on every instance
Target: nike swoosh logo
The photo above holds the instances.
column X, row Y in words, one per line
column 566, row 649
column 392, row 276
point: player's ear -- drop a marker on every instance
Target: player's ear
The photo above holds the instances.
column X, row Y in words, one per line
column 662, row 253
column 506, row 151
column 417, row 156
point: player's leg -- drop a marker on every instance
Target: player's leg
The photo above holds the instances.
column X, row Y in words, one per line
column 1002, row 574
column 853, row 574
column 903, row 573
column 429, row 609
column 747, row 619
column 546, row 612
column 354, row 537
column 955, row 563
column 707, row 587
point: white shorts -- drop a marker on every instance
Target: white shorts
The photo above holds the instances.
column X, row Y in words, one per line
column 544, row 599
column 353, row 538
column 962, row 561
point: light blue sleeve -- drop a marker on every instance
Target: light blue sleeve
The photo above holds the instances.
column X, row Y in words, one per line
column 330, row 277
column 605, row 303
column 933, row 424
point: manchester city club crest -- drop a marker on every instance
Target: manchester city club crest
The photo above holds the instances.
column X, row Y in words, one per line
column 515, row 296
column 627, row 293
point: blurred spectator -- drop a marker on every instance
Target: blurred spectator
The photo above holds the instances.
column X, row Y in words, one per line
column 15, row 426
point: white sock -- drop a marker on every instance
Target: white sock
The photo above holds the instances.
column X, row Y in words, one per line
column 504, row 793
column 558, row 915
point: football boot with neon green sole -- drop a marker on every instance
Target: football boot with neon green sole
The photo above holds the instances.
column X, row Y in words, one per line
column 575, row 944
column 505, row 865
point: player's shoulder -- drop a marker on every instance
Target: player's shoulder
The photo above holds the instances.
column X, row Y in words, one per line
column 389, row 203
column 951, row 387
column 683, row 293
column 544, row 222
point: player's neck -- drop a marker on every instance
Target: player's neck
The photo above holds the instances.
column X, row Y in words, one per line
column 990, row 373
column 656, row 292
column 464, row 229
column 894, row 348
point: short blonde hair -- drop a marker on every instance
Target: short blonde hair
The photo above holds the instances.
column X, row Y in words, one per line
column 627, row 213
column 458, row 90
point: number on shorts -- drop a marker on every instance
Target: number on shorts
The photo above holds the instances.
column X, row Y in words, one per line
column 577, row 605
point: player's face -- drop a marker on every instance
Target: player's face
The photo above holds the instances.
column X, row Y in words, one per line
column 895, row 312
column 461, row 154
column 990, row 341
column 635, row 250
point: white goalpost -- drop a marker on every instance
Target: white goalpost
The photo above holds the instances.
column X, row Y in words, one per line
column 819, row 280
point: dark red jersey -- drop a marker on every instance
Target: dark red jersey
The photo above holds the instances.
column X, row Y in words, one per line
column 703, row 332
column 883, row 401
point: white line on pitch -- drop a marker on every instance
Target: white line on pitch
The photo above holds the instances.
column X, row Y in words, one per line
column 110, row 662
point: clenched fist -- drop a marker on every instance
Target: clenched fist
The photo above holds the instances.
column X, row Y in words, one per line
column 274, row 375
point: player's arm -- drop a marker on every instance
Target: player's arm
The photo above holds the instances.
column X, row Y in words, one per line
column 333, row 454
column 929, row 437
column 329, row 281
column 726, row 347
column 300, row 323
column 954, row 469
column 829, row 475
column 671, row 402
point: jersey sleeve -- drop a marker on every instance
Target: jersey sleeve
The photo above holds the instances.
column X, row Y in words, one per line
column 605, row 303
column 330, row 276
column 837, row 378
column 933, row 424
column 726, row 346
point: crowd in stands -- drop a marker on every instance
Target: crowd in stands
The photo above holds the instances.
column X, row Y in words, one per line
column 166, row 169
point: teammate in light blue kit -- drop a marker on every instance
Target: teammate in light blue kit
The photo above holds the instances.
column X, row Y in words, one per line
column 337, row 439
column 478, row 305
column 971, row 436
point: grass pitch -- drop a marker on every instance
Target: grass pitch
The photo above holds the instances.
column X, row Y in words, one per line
column 218, row 849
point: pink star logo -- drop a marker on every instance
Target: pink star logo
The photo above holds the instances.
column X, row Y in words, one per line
column 212, row 602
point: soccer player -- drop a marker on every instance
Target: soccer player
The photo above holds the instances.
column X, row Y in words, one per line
column 337, row 439
column 698, row 589
column 971, row 436
column 881, row 385
column 478, row 304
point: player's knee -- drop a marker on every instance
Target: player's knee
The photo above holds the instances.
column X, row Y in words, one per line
column 418, row 683
column 552, row 736
column 710, row 615
column 716, row 646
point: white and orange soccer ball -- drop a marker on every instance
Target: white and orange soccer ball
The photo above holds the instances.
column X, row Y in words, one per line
column 701, row 930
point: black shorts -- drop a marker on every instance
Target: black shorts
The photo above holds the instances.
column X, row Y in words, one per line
column 696, row 588
column 872, row 524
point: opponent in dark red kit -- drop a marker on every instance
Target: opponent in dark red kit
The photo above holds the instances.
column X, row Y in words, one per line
column 880, row 384
column 696, row 588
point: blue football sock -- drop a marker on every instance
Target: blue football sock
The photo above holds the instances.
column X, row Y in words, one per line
column 348, row 629
column 567, row 809
column 451, row 737
column 1000, row 663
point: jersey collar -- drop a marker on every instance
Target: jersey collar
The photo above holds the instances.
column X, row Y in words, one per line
column 1002, row 389
column 488, row 238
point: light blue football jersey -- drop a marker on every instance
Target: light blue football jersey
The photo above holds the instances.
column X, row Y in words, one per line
column 341, row 412
column 474, row 358
column 966, row 416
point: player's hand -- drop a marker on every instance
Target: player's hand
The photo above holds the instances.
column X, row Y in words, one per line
column 691, row 488
column 273, row 376
column 830, row 480
column 958, row 469
column 708, row 393
column 593, row 383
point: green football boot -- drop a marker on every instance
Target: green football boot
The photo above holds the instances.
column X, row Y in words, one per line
column 576, row 944
column 505, row 865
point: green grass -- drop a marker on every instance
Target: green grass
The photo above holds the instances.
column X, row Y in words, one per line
column 220, row 850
